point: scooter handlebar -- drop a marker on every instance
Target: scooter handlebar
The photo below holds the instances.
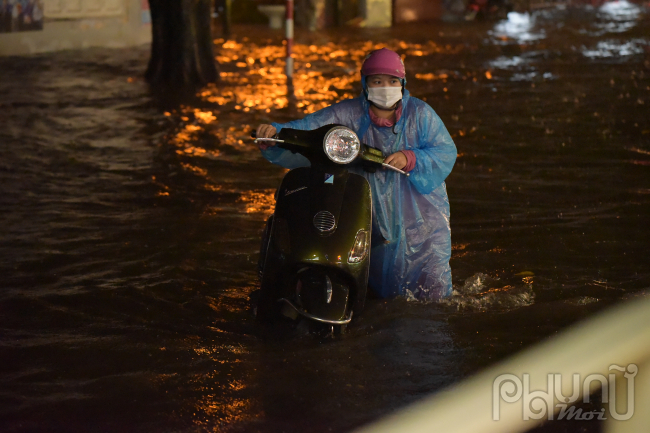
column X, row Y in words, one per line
column 390, row 167
column 254, row 135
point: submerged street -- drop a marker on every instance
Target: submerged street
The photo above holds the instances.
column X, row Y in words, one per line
column 131, row 223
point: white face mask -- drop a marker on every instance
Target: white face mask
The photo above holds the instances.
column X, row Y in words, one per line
column 385, row 97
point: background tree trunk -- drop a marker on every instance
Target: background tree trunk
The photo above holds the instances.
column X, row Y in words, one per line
column 181, row 48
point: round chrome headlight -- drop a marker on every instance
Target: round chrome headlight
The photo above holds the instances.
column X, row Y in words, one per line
column 341, row 145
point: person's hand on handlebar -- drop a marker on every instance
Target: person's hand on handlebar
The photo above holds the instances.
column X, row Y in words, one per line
column 397, row 160
column 265, row 131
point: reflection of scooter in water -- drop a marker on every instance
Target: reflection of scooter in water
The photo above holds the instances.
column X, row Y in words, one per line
column 315, row 254
column 487, row 9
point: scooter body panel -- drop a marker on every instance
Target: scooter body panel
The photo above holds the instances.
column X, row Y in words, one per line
column 308, row 259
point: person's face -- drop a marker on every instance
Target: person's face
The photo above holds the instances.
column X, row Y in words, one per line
column 383, row 80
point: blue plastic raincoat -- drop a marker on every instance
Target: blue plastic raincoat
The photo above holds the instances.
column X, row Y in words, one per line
column 410, row 213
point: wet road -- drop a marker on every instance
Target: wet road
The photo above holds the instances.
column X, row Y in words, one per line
column 130, row 224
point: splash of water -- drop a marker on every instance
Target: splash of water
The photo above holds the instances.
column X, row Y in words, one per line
column 481, row 292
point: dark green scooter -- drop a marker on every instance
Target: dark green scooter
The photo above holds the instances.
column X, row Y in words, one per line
column 315, row 252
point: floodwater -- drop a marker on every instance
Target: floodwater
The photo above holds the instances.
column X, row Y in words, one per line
column 131, row 223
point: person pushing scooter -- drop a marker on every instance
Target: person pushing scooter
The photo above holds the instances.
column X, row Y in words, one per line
column 411, row 236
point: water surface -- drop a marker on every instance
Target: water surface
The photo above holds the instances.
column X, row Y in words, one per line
column 131, row 223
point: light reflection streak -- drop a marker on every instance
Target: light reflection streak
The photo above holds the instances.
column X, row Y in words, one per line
column 192, row 127
column 259, row 201
column 494, row 290
column 221, row 392
column 518, row 27
column 220, row 415
column 204, row 116
column 217, row 391
column 504, row 62
column 217, row 352
column 616, row 17
column 620, row 10
column 198, row 170
column 324, row 74
column 221, row 402
column 637, row 150
column 212, row 187
column 229, row 299
column 458, row 250
column 220, row 405
column 616, row 49
column 431, row 76
column 253, row 80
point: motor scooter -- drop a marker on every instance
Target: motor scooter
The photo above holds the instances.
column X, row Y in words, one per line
column 315, row 252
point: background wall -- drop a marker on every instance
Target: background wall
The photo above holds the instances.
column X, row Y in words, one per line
column 74, row 24
column 417, row 10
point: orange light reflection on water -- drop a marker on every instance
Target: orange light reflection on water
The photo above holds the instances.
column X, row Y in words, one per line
column 253, row 80
column 431, row 76
column 193, row 123
column 216, row 414
column 259, row 201
column 204, row 116
column 230, row 300
column 220, row 405
column 254, row 74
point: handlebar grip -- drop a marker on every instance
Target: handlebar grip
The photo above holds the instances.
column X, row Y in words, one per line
column 254, row 133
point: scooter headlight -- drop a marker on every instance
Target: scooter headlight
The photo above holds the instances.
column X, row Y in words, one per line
column 359, row 250
column 341, row 145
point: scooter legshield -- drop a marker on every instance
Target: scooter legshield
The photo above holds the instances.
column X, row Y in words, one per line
column 304, row 254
